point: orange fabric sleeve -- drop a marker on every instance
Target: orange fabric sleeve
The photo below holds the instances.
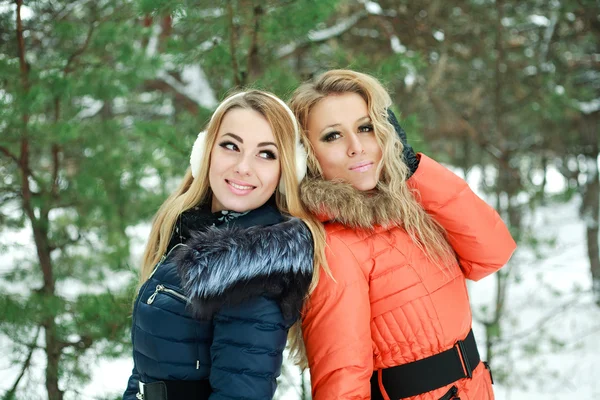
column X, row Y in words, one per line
column 336, row 329
column 478, row 235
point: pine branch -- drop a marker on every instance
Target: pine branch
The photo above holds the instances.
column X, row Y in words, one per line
column 172, row 145
column 64, row 243
column 10, row 394
column 9, row 154
column 65, row 204
column 7, row 197
column 82, row 344
column 93, row 25
column 545, row 319
column 68, row 68
column 24, row 168
column 66, row 11
column 168, row 87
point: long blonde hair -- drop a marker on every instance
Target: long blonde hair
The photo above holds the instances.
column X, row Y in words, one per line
column 193, row 191
column 424, row 231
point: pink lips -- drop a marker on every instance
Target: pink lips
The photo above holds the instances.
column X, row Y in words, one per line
column 238, row 187
column 362, row 166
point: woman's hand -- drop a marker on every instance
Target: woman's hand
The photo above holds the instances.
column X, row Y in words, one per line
column 410, row 157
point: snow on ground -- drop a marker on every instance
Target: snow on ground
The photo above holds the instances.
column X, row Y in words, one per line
column 551, row 293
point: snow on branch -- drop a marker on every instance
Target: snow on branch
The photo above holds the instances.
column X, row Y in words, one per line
column 548, row 33
column 194, row 85
column 322, row 35
column 373, row 7
column 397, row 46
column 90, row 107
column 539, row 20
column 588, row 107
column 335, row 30
column 152, row 47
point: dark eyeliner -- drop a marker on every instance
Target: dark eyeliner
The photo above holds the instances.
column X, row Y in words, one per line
column 227, row 143
column 329, row 137
column 270, row 155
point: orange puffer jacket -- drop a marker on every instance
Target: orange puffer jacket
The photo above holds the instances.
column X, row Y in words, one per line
column 389, row 305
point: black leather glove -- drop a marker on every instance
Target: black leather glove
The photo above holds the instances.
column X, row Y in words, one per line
column 410, row 157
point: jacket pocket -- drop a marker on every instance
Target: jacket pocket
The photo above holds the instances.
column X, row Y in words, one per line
column 163, row 289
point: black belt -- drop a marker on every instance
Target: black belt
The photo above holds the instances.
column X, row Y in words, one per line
column 175, row 390
column 429, row 373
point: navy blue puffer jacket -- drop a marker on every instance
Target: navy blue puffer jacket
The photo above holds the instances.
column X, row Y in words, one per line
column 219, row 306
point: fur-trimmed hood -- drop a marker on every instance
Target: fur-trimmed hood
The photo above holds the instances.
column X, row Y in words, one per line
column 225, row 266
column 340, row 202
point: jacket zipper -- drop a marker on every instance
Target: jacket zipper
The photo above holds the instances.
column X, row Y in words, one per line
column 163, row 258
column 143, row 287
column 161, row 288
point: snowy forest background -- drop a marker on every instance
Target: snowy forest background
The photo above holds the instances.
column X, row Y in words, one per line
column 101, row 100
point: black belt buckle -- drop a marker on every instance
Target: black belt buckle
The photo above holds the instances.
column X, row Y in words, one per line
column 462, row 353
column 154, row 391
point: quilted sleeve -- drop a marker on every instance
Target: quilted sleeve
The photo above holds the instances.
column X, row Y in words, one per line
column 478, row 235
column 132, row 385
column 247, row 350
column 336, row 330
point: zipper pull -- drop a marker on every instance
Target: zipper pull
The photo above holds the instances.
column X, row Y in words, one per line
column 159, row 288
column 451, row 394
column 455, row 393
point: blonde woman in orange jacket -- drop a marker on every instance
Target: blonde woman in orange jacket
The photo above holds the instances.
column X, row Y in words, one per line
column 390, row 318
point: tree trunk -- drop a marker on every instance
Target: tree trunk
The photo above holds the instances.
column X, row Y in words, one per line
column 590, row 212
column 53, row 349
column 53, row 358
column 38, row 224
column 590, row 206
column 542, row 191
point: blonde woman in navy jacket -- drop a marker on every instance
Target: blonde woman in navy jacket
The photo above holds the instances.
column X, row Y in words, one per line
column 228, row 262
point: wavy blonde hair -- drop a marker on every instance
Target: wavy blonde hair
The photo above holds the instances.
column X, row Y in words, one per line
column 425, row 232
column 193, row 191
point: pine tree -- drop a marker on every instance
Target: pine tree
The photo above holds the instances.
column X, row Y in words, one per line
column 75, row 170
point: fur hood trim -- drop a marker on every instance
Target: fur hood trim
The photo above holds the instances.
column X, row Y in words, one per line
column 340, row 202
column 226, row 266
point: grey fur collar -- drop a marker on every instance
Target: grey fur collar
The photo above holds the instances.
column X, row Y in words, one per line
column 340, row 202
column 225, row 266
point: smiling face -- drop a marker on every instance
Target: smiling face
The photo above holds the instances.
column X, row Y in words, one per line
column 244, row 165
column 342, row 136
